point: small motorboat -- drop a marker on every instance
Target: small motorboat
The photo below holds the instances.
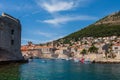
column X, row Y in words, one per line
column 67, row 59
column 76, row 60
column 87, row 61
column 82, row 60
column 30, row 60
column 44, row 61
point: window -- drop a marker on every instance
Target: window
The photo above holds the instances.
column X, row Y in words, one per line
column 12, row 31
column 12, row 42
column 116, row 47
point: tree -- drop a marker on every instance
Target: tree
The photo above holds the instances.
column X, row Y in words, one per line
column 85, row 42
column 83, row 52
column 106, row 48
column 111, row 54
column 71, row 54
column 93, row 49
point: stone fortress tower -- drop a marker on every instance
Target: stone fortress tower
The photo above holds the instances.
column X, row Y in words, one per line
column 10, row 38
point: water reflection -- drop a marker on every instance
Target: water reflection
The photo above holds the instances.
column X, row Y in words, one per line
column 9, row 72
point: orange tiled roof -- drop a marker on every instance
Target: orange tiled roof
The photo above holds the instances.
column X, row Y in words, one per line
column 43, row 46
column 118, row 44
column 24, row 48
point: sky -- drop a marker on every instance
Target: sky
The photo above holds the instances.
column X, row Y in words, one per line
column 47, row 20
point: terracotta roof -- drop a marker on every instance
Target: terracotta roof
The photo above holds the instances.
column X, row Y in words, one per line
column 24, row 48
column 118, row 44
column 43, row 46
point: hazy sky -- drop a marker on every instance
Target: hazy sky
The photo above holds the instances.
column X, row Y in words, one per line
column 47, row 20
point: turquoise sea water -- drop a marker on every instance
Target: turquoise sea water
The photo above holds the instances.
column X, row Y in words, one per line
column 59, row 70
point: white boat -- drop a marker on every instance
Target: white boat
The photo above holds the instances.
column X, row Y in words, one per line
column 76, row 60
column 70, row 58
column 67, row 59
column 43, row 61
column 87, row 61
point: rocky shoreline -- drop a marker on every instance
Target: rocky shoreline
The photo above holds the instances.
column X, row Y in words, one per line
column 107, row 61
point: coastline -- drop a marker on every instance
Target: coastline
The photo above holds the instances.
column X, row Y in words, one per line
column 13, row 61
column 103, row 61
column 107, row 61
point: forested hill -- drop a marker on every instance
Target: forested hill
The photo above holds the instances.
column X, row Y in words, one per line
column 107, row 26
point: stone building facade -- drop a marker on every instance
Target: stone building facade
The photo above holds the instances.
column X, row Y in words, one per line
column 116, row 48
column 10, row 38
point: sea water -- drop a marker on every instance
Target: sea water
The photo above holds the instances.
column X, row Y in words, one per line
column 46, row 69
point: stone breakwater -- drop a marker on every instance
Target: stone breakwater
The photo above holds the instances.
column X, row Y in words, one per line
column 112, row 61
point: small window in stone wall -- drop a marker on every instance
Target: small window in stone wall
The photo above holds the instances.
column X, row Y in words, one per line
column 12, row 42
column 1, row 26
column 12, row 31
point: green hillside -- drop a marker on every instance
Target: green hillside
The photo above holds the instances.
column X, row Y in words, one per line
column 107, row 26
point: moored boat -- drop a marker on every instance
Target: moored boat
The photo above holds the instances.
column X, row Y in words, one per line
column 76, row 60
column 87, row 61
column 82, row 60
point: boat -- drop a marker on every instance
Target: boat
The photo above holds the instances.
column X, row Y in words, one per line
column 76, row 60
column 87, row 61
column 82, row 60
column 44, row 61
column 30, row 60
column 67, row 59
